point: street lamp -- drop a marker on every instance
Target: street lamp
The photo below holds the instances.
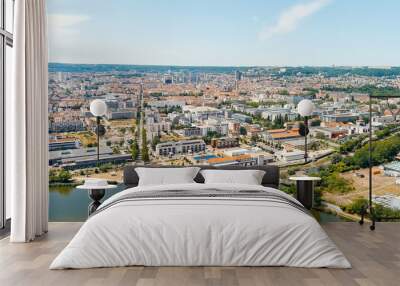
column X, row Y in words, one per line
column 305, row 108
column 98, row 108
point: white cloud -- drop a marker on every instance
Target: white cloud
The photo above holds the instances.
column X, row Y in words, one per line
column 65, row 25
column 64, row 34
column 66, row 20
column 290, row 18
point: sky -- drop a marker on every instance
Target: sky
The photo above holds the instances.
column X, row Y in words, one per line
column 225, row 32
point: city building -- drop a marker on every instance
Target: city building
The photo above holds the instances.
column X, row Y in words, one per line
column 225, row 142
column 290, row 156
column 166, row 103
column 121, row 114
column 392, row 169
column 57, row 144
column 157, row 128
column 279, row 135
column 201, row 113
column 340, row 117
column 190, row 132
column 85, row 158
column 275, row 113
column 329, row 132
column 378, row 121
column 66, row 126
column 245, row 160
column 388, row 201
column 243, row 118
column 180, row 147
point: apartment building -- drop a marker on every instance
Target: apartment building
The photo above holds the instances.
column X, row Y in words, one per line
column 66, row 126
column 180, row 147
column 225, row 142
column 56, row 144
column 121, row 114
column 156, row 128
column 280, row 135
column 190, row 132
column 245, row 160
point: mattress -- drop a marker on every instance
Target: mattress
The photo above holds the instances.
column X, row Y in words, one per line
column 201, row 225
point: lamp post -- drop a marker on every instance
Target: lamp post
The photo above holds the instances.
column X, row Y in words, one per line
column 98, row 108
column 305, row 108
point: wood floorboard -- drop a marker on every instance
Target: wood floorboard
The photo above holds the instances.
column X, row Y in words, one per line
column 375, row 257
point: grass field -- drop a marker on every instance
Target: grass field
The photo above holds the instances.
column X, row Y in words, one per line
column 381, row 185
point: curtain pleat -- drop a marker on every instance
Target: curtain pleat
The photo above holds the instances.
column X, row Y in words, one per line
column 29, row 123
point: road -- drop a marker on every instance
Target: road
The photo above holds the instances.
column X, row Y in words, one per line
column 141, row 124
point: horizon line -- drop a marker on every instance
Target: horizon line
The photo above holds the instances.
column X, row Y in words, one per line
column 236, row 66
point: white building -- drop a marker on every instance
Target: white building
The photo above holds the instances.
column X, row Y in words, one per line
column 122, row 114
column 213, row 125
column 290, row 156
column 180, row 147
column 274, row 113
column 382, row 120
column 166, row 103
column 201, row 113
column 66, row 126
column 157, row 128
column 389, row 201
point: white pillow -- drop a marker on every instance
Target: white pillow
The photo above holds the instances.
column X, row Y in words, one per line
column 248, row 177
column 166, row 176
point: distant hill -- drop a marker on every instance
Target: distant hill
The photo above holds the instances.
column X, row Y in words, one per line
column 275, row 71
column 60, row 67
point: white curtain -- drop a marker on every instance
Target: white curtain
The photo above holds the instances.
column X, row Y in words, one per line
column 27, row 124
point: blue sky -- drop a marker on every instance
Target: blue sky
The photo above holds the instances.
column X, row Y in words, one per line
column 225, row 32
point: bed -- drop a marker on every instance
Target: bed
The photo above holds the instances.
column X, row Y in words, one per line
column 198, row 224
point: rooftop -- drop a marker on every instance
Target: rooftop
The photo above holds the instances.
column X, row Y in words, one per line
column 228, row 159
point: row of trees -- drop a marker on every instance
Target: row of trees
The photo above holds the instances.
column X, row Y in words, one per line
column 367, row 89
column 134, row 150
column 145, row 148
column 62, row 176
column 381, row 212
column 382, row 152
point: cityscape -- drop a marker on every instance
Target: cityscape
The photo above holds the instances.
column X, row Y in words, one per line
column 226, row 116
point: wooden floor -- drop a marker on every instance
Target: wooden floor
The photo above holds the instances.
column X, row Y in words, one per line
column 375, row 257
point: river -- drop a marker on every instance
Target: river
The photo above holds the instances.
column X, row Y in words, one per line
column 66, row 203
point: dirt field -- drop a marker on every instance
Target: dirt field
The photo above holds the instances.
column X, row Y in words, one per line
column 110, row 176
column 122, row 123
column 380, row 185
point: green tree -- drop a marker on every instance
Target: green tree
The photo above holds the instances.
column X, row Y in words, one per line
column 104, row 168
column 134, row 150
column 357, row 206
column 155, row 141
column 145, row 153
column 334, row 183
column 145, row 148
column 63, row 176
column 382, row 152
column 283, row 92
column 336, row 158
column 315, row 122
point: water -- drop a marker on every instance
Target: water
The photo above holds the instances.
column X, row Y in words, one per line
column 67, row 203
column 204, row 157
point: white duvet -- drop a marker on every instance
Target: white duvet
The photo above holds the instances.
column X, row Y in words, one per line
column 202, row 232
